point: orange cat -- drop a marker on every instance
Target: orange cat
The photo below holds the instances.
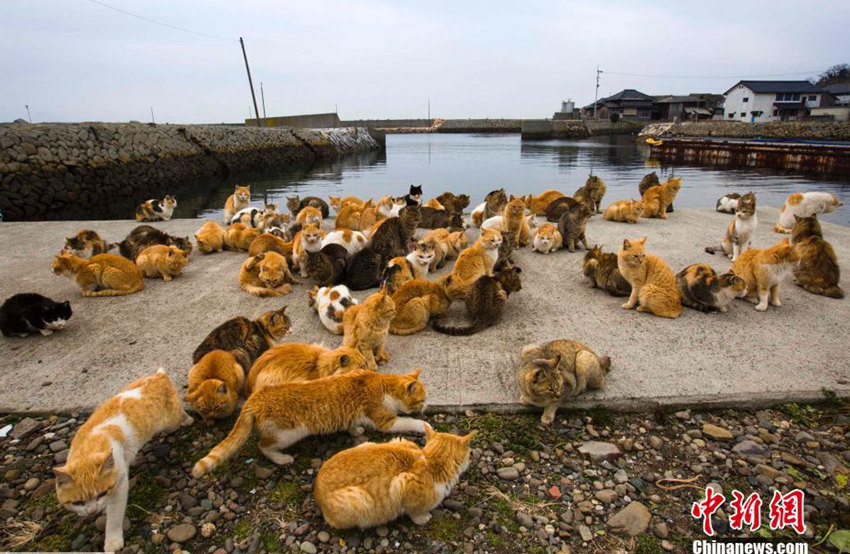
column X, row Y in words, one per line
column 338, row 203
column 309, row 215
column 162, row 261
column 210, row 238
column 547, row 239
column 239, row 237
column 312, row 235
column 266, row 275
column 285, row 414
column 627, row 211
column 372, row 484
column 100, row 275
column 365, row 327
column 654, row 287
column 96, row 476
column 514, row 222
column 239, row 200
column 538, row 204
column 447, row 246
column 763, row 270
column 268, row 242
column 369, row 216
column 348, row 217
column 215, row 383
column 416, row 302
column 657, row 198
column 298, row 361
column 474, row 262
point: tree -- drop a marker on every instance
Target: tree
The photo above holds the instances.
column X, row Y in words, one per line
column 835, row 75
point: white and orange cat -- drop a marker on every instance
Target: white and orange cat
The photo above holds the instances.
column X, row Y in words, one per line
column 239, row 200
column 309, row 216
column 805, row 204
column 96, row 476
column 310, row 235
column 763, row 270
column 372, row 484
column 352, row 241
column 547, row 239
column 285, row 414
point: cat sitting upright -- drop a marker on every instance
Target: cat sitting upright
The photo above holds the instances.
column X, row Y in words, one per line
column 740, row 231
column 28, row 313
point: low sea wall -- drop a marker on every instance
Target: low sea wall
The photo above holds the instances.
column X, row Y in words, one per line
column 544, row 129
column 812, row 130
column 479, row 126
column 47, row 167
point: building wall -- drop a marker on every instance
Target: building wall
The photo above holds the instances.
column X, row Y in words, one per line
column 735, row 104
column 839, row 113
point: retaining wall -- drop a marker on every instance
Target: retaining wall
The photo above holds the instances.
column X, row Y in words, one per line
column 815, row 130
column 46, row 167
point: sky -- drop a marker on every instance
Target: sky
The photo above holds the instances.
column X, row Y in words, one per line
column 77, row 60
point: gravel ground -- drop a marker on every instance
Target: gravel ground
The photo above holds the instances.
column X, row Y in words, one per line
column 529, row 488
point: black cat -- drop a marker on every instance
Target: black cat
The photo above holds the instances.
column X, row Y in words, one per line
column 24, row 314
column 365, row 269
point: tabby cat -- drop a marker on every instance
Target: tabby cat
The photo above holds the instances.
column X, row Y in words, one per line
column 447, row 245
column 246, row 339
column 372, row 484
column 592, row 193
column 101, row 275
column 365, row 327
column 549, row 373
column 559, row 207
column 453, row 203
column 817, row 271
column 704, row 290
column 627, row 211
column 326, row 264
column 602, row 271
column 572, row 226
column 95, row 477
column 433, row 219
column 485, row 302
column 654, row 287
column 311, row 235
column 298, row 361
column 393, row 236
column 87, row 243
column 271, row 242
column 763, row 271
column 156, row 210
column 27, row 313
column 740, row 230
column 365, row 269
column 295, row 204
column 239, row 200
column 266, row 274
column 215, row 383
column 144, row 235
column 285, row 414
column 416, row 302
column 165, row 262
column 649, row 180
column 656, row 199
column 210, row 238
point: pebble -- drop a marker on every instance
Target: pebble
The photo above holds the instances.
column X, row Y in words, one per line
column 308, row 548
column 525, row 520
column 182, row 533
column 508, row 473
column 585, row 532
column 598, row 450
column 717, row 433
column 633, row 519
column 207, row 530
column 324, row 536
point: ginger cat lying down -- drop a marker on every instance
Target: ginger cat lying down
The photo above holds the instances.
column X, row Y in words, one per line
column 372, row 484
column 297, row 361
column 100, row 275
column 285, row 414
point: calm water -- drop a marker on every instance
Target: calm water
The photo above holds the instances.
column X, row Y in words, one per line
column 476, row 164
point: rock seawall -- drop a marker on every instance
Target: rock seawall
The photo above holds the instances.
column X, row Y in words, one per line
column 46, row 167
column 814, row 130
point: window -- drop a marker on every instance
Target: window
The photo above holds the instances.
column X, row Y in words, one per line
column 779, row 96
column 745, row 100
column 795, row 97
column 732, row 115
column 812, row 97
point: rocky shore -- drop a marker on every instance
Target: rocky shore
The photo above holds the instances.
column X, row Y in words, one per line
column 590, row 482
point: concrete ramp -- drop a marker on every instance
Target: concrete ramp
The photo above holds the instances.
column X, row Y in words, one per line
column 787, row 353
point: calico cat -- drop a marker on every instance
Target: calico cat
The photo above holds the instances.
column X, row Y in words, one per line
column 654, row 287
column 740, row 230
column 627, row 211
column 447, row 245
column 295, row 204
column 87, row 243
column 572, row 226
column 414, row 195
column 156, row 210
column 704, row 290
column 817, row 271
column 145, row 235
column 244, row 338
column 101, row 275
column 269, row 220
column 648, row 181
column 326, row 264
column 763, row 271
column 28, row 313
column 311, row 235
column 413, row 266
column 266, row 274
column 239, row 237
column 165, row 262
column 552, row 372
column 210, row 238
column 656, row 199
column 602, row 271
column 331, row 304
column 434, row 219
column 365, row 269
column 538, row 204
column 239, row 200
column 547, row 239
column 392, row 238
column 215, row 383
column 352, row 241
column 309, row 216
column 285, row 414
column 390, row 207
column 298, row 361
column 475, row 261
column 95, row 477
column 592, row 193
column 249, row 217
column 270, row 242
column 485, row 302
column 728, row 203
column 416, row 302
column 373, row 484
column 559, row 207
column 805, row 204
column 365, row 327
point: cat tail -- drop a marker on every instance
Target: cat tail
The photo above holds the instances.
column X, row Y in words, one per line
column 714, row 249
column 228, row 447
column 832, row 292
column 112, row 246
column 780, row 229
column 458, row 331
column 605, row 363
column 115, row 292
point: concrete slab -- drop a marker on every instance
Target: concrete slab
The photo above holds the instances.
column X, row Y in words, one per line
column 744, row 356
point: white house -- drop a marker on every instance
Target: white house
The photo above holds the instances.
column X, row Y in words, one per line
column 758, row 101
column 841, row 94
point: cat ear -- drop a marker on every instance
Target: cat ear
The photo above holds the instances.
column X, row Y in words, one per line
column 344, row 359
column 108, row 463
column 641, row 240
column 429, row 432
column 466, row 439
column 66, row 304
column 62, row 476
column 797, row 218
column 415, row 374
column 222, row 389
column 511, row 199
column 626, row 244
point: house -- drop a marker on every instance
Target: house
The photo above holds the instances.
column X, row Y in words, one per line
column 687, row 107
column 628, row 103
column 758, row 101
column 841, row 94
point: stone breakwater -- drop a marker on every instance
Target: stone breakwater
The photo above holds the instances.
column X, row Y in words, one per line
column 814, row 130
column 44, row 168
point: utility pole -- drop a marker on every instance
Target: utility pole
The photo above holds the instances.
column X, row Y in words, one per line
column 429, row 108
column 263, row 98
column 29, row 115
column 250, row 81
column 152, row 118
column 596, row 95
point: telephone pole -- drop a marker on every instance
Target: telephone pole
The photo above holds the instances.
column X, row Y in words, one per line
column 29, row 115
column 250, row 81
column 263, row 98
column 429, row 108
column 596, row 95
column 153, row 120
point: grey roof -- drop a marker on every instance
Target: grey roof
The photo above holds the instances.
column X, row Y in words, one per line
column 778, row 86
column 838, row 89
column 628, row 94
column 678, row 99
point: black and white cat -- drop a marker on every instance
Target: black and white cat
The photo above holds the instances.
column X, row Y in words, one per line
column 414, row 196
column 28, row 313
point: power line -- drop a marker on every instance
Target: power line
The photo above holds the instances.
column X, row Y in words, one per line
column 711, row 76
column 154, row 21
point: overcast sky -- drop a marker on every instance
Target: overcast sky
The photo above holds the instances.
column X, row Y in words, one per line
column 74, row 60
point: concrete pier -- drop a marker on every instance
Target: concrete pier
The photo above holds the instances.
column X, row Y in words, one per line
column 743, row 357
